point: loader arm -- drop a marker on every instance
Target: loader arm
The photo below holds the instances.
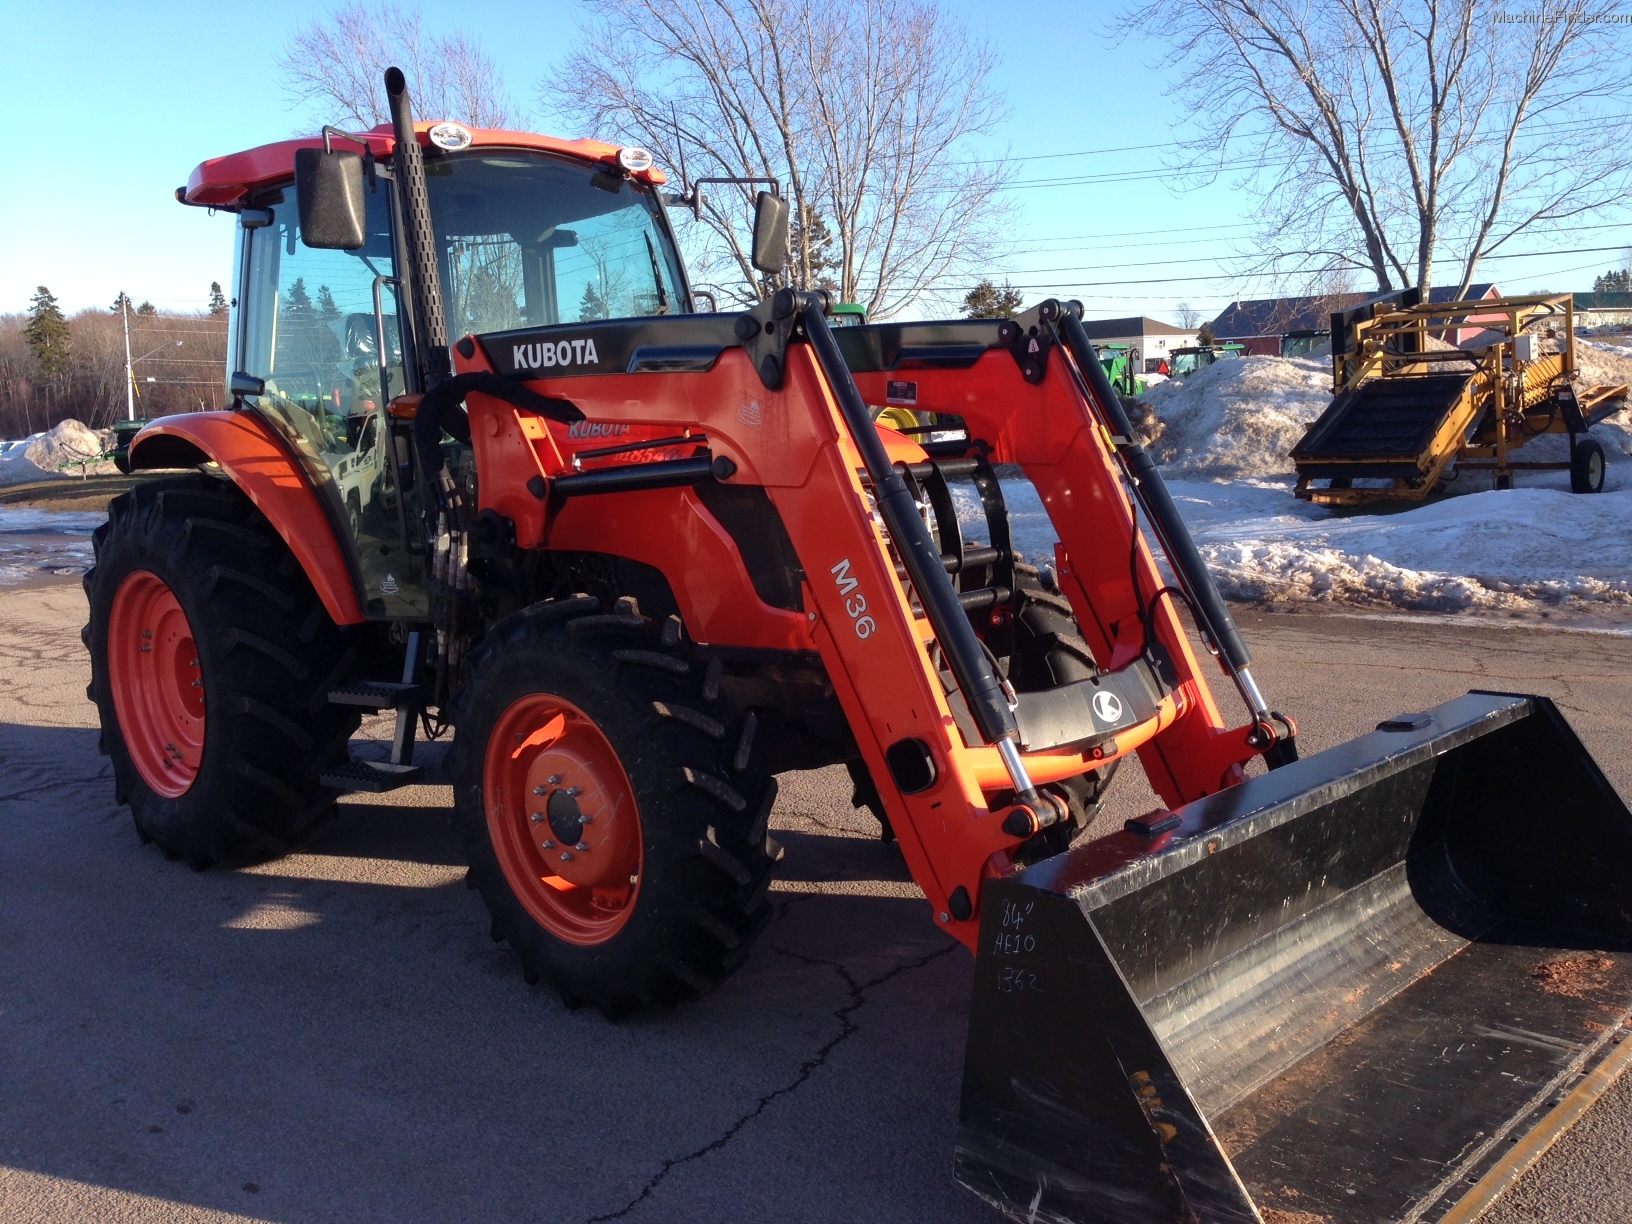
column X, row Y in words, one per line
column 951, row 797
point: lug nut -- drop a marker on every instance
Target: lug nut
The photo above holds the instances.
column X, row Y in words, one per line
column 538, row 817
column 549, row 845
column 573, row 792
column 566, row 856
column 581, row 846
column 552, row 780
column 634, row 879
column 585, row 818
column 538, row 790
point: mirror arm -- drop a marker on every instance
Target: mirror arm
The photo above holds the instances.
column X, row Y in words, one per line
column 693, row 198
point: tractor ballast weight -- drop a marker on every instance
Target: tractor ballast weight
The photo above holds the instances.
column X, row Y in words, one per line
column 672, row 552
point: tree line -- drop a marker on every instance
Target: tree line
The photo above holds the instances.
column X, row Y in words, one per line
column 55, row 366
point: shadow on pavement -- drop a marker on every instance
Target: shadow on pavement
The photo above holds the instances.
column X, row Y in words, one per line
column 334, row 1036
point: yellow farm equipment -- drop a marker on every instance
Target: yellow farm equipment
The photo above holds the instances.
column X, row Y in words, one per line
column 1407, row 405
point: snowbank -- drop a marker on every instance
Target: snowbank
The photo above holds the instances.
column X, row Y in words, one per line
column 1238, row 419
column 1519, row 550
column 44, row 543
column 58, row 452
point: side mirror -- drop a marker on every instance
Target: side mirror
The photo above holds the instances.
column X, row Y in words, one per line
column 770, row 254
column 241, row 384
column 329, row 188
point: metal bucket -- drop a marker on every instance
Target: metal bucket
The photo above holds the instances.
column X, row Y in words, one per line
column 1372, row 985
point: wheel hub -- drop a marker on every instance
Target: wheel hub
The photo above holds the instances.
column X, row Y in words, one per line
column 158, row 685
column 563, row 818
column 566, row 817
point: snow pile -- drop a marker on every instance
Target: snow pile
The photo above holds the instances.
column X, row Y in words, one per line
column 59, row 451
column 1600, row 363
column 44, row 543
column 1238, row 419
column 1520, row 550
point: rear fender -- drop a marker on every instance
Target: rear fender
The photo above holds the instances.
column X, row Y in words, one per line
column 249, row 452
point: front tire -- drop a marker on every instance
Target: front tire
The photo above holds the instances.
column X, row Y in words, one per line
column 211, row 662
column 613, row 822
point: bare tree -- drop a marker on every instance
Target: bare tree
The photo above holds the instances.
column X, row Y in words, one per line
column 336, row 64
column 1381, row 133
column 1189, row 317
column 862, row 109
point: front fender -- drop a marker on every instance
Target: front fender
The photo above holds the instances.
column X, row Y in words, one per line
column 249, row 452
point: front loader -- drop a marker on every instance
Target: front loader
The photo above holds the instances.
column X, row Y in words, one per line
column 487, row 469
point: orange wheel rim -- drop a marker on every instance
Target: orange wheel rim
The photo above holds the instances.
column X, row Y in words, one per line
column 158, row 687
column 562, row 818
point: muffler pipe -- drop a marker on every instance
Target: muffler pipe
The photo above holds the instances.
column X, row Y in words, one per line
column 425, row 283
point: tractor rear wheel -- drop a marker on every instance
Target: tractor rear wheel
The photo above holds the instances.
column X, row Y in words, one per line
column 613, row 822
column 211, row 662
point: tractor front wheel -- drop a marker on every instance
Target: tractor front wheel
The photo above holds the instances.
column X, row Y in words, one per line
column 211, row 662
column 614, row 824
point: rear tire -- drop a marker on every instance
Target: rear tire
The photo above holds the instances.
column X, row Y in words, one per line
column 1587, row 467
column 663, row 890
column 211, row 662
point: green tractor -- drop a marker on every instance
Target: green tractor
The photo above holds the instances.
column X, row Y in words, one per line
column 1119, row 362
column 1186, row 361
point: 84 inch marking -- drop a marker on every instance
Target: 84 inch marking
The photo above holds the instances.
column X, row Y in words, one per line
column 855, row 603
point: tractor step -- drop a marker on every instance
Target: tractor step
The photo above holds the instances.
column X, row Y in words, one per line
column 377, row 695
column 371, row 777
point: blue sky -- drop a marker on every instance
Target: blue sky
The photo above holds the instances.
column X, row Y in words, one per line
column 111, row 106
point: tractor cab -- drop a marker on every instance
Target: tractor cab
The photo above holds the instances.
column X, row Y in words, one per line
column 528, row 232
column 1187, row 361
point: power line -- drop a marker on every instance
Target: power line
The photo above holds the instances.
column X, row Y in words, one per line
column 1184, row 280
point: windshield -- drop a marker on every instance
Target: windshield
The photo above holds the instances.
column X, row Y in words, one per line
column 528, row 240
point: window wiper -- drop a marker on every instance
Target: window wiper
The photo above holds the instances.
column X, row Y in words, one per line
column 657, row 275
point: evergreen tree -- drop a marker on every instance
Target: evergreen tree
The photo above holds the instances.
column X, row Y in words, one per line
column 592, row 306
column 147, row 310
column 1614, row 282
column 987, row 301
column 813, row 231
column 47, row 334
column 218, row 301
column 122, row 303
column 1205, row 336
column 326, row 308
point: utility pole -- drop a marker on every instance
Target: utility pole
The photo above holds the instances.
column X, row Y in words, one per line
column 130, row 375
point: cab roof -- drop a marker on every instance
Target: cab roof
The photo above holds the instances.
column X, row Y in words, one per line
column 223, row 182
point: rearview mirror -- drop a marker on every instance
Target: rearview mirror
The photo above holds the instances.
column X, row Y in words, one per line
column 770, row 253
column 329, row 188
column 241, row 384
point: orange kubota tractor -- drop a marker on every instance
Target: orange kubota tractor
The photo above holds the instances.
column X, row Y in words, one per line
column 642, row 559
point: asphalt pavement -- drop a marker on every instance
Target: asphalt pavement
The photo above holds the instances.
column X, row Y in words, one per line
column 333, row 1036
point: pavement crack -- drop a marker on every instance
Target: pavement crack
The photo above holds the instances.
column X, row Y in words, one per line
column 847, row 1029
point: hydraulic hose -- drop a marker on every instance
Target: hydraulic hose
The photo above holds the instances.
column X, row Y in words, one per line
column 436, row 414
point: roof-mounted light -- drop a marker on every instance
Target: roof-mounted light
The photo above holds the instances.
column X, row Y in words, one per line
column 635, row 160
column 450, row 136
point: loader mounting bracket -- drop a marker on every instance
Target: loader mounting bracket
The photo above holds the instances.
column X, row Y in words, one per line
column 766, row 331
column 1028, row 342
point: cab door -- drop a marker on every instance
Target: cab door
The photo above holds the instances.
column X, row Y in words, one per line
column 322, row 330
